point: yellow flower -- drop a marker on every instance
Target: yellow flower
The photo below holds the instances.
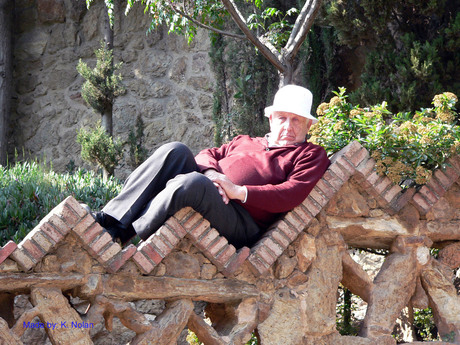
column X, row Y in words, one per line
column 438, row 101
column 451, row 96
column 407, row 127
column 422, row 175
column 422, row 130
column 355, row 112
column 335, row 101
column 338, row 125
column 376, row 155
column 322, row 108
column 455, row 148
column 369, row 114
column 446, row 116
column 426, row 140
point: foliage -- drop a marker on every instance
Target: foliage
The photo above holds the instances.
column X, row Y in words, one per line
column 424, row 324
column 346, row 323
column 30, row 190
column 137, row 151
column 407, row 146
column 192, row 339
column 102, row 83
column 412, row 48
column 98, row 147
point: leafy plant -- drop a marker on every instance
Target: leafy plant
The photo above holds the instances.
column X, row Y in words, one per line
column 407, row 147
column 30, row 190
column 137, row 151
column 424, row 324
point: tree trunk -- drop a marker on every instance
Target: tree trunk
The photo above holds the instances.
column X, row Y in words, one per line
column 6, row 72
column 107, row 32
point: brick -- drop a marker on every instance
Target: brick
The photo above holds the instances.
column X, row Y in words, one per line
column 183, row 213
column 100, row 243
column 200, row 230
column 280, row 238
column 192, row 221
column 373, row 178
column 22, row 259
column 333, row 180
column 443, row 179
column 421, row 204
column 451, row 173
column 311, row 206
column 109, row 253
column 294, row 221
column 151, row 253
column 120, row 259
column 392, row 193
column 51, row 232
column 91, row 233
column 325, row 188
column 320, row 200
column 403, row 199
column 160, row 243
column 274, row 247
column 348, row 151
column 69, row 216
column 286, row 229
column 42, row 242
column 59, row 224
column 428, row 194
column 207, row 239
column 258, row 266
column 234, row 260
column 225, row 255
column 75, row 206
column 347, row 166
column 382, row 185
column 339, row 171
column 169, row 235
column 32, row 249
column 6, row 250
column 434, row 185
column 268, row 257
column 84, row 224
column 217, row 246
column 454, row 162
column 366, row 167
column 359, row 157
column 143, row 263
column 176, row 227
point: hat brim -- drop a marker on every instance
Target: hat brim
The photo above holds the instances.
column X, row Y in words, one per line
column 272, row 108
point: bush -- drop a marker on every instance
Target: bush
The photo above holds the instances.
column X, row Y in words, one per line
column 407, row 146
column 29, row 191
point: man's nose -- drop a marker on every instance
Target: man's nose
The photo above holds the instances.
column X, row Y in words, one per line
column 288, row 125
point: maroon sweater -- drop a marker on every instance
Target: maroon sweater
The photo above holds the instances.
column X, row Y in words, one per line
column 277, row 178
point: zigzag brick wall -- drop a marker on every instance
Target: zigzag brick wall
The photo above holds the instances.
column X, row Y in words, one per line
column 306, row 247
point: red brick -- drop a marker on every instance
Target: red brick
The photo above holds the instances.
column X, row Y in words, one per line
column 51, row 232
column 201, row 229
column 121, row 258
column 280, row 238
column 429, row 195
column 340, row 172
column 217, row 246
column 373, row 178
column 192, row 221
column 311, row 206
column 42, row 242
column 267, row 256
column 75, row 206
column 273, row 246
column 403, row 199
column 294, row 221
column 176, row 227
column 143, row 263
column 91, row 233
column 382, row 185
column 69, row 216
column 6, row 250
column 32, row 249
column 366, row 167
column 351, row 149
column 325, row 188
column 59, row 224
column 320, row 200
column 169, row 235
column 359, row 157
column 100, row 243
column 420, row 202
column 392, row 193
column 207, row 239
column 109, row 253
column 183, row 213
column 436, row 187
column 84, row 224
column 160, row 243
column 333, row 180
column 455, row 162
column 451, row 173
column 151, row 253
column 22, row 259
column 286, row 229
column 443, row 179
column 258, row 266
column 232, row 260
column 225, row 255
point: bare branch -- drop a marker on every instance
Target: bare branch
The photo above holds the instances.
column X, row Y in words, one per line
column 301, row 27
column 204, row 26
column 241, row 22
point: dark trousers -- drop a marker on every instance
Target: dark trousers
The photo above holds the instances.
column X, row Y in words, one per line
column 168, row 181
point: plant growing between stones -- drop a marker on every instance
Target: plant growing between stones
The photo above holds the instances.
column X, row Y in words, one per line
column 407, row 146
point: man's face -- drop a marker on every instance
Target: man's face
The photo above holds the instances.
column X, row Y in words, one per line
column 288, row 128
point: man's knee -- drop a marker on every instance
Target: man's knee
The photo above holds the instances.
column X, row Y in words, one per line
column 193, row 182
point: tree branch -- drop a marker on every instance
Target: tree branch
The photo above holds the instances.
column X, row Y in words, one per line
column 241, row 22
column 301, row 27
column 204, row 26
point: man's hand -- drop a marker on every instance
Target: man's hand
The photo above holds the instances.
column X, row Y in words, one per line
column 227, row 189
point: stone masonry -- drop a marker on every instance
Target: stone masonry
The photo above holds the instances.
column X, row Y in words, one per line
column 69, row 272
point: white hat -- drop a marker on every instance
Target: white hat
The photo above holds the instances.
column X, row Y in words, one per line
column 292, row 99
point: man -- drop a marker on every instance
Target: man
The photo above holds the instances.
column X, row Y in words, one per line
column 240, row 188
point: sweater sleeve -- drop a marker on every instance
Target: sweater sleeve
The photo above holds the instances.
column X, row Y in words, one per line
column 285, row 196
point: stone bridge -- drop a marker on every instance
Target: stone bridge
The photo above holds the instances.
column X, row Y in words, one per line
column 81, row 287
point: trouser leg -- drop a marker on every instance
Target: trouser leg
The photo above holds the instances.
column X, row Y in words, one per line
column 195, row 190
column 149, row 179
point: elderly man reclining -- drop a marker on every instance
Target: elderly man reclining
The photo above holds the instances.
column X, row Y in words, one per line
column 240, row 188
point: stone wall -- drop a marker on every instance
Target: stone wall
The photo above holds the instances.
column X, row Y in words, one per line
column 284, row 288
column 168, row 82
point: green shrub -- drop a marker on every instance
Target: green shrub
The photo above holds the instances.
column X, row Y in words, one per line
column 29, row 191
column 407, row 147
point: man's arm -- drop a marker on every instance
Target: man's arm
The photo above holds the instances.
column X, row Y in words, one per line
column 227, row 189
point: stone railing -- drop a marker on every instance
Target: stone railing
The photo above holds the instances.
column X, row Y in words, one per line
column 79, row 287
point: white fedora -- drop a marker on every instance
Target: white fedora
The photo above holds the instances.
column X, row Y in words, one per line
column 293, row 99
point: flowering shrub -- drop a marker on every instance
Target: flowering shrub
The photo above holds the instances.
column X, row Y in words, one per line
column 407, row 146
